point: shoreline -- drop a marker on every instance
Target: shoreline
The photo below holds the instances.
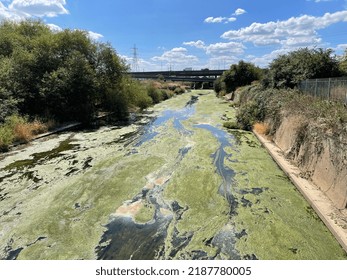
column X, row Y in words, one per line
column 322, row 205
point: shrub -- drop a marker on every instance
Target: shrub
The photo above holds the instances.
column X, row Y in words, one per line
column 154, row 93
column 166, row 94
column 179, row 90
column 6, row 137
column 18, row 128
column 218, row 85
column 231, row 125
column 248, row 114
column 261, row 128
column 143, row 102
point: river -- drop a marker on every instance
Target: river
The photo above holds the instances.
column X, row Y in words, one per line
column 173, row 184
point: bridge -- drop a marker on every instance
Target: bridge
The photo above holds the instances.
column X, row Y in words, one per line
column 204, row 75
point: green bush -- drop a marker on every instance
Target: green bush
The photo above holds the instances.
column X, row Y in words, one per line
column 136, row 93
column 179, row 90
column 248, row 114
column 6, row 137
column 7, row 130
column 218, row 85
column 231, row 125
column 166, row 94
column 154, row 93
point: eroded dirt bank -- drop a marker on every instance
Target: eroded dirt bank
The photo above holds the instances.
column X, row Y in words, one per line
column 178, row 187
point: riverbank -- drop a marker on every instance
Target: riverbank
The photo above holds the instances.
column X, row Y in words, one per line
column 333, row 218
column 311, row 132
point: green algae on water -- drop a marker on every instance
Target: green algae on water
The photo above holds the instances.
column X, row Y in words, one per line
column 67, row 216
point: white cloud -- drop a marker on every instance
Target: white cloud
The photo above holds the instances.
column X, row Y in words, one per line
column 94, row 36
column 218, row 49
column 230, row 48
column 39, row 8
column 219, row 19
column 21, row 9
column 214, row 20
column 198, row 44
column 301, row 42
column 231, row 19
column 239, row 12
column 295, row 30
column 6, row 14
column 54, row 28
column 176, row 55
column 342, row 47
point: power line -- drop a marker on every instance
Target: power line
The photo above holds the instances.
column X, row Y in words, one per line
column 135, row 65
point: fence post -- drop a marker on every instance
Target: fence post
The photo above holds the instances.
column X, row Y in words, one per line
column 329, row 88
column 316, row 88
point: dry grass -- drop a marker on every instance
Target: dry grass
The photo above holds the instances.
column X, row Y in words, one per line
column 19, row 129
column 261, row 128
column 339, row 93
column 24, row 132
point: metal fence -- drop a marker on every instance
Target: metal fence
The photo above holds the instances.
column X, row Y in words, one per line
column 334, row 89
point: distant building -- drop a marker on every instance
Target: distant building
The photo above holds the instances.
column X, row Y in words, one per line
column 188, row 69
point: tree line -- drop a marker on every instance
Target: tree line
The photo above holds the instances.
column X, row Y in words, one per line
column 286, row 71
column 62, row 75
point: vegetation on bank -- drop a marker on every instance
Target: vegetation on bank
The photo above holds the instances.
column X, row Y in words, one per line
column 258, row 105
column 275, row 94
column 19, row 129
column 63, row 76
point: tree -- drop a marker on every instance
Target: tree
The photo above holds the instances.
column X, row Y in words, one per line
column 289, row 69
column 70, row 91
column 343, row 64
column 238, row 75
column 64, row 75
column 8, row 104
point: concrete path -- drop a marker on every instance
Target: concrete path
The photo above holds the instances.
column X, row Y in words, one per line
column 334, row 219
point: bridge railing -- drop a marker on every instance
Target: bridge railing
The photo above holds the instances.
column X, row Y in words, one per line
column 334, row 89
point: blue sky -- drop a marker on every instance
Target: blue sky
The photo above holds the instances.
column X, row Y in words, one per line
column 193, row 33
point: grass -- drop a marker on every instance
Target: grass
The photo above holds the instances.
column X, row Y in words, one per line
column 19, row 129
